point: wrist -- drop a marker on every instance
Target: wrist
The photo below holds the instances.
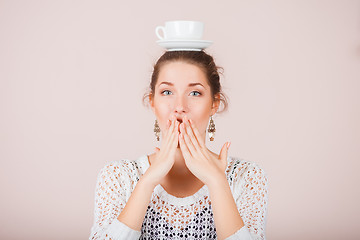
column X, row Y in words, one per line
column 217, row 182
column 148, row 180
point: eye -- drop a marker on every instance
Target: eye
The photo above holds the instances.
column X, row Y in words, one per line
column 166, row 92
column 195, row 93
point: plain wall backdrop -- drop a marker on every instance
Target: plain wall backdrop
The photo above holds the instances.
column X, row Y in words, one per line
column 72, row 77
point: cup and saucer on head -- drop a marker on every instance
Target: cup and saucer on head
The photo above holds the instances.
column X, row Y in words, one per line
column 182, row 36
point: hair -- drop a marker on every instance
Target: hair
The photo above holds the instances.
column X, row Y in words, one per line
column 199, row 58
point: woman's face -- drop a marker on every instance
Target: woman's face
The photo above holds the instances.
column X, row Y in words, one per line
column 182, row 90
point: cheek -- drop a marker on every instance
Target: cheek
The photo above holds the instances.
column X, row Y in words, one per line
column 201, row 118
column 162, row 112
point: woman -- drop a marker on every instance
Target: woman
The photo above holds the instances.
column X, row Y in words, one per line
column 183, row 190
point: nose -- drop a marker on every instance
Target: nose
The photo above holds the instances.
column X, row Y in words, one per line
column 181, row 106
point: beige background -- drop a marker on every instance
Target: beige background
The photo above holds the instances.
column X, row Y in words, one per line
column 72, row 75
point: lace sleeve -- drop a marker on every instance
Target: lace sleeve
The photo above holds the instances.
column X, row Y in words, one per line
column 251, row 199
column 113, row 188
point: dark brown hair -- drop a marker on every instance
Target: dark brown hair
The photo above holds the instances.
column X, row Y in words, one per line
column 199, row 58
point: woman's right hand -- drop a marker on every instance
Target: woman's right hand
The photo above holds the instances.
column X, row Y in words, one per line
column 165, row 156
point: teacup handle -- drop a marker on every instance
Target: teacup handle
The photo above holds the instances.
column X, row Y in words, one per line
column 158, row 34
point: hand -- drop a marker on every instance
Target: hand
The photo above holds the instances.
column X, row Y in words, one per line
column 165, row 156
column 200, row 161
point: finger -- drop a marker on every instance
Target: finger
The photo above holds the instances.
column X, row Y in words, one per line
column 165, row 132
column 167, row 139
column 175, row 142
column 184, row 148
column 197, row 140
column 171, row 141
column 187, row 140
column 224, row 153
column 157, row 149
column 175, row 134
column 190, row 132
column 167, row 127
column 197, row 134
column 171, row 128
column 172, row 131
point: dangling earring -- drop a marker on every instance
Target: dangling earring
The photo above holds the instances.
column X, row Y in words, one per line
column 211, row 129
column 157, row 130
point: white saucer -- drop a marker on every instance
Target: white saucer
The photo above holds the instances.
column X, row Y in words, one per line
column 184, row 44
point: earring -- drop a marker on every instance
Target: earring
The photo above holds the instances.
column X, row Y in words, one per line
column 157, row 130
column 211, row 129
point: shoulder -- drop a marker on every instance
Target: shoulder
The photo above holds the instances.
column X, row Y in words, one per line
column 240, row 170
column 123, row 168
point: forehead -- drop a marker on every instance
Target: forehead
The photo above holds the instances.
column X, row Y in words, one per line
column 182, row 73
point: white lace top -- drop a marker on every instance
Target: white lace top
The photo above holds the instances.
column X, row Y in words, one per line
column 169, row 217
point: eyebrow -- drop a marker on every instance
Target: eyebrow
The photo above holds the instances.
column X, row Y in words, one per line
column 190, row 84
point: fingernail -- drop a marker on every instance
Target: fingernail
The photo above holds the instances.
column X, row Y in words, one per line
column 228, row 145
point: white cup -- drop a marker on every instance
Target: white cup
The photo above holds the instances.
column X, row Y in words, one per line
column 180, row 30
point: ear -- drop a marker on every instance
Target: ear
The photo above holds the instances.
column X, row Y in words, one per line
column 151, row 102
column 216, row 104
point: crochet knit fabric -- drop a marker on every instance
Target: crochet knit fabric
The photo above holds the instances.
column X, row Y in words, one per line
column 169, row 217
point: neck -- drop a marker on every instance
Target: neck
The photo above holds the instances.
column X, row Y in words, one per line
column 179, row 168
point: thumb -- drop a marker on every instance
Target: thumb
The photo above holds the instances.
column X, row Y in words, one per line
column 156, row 149
column 224, row 152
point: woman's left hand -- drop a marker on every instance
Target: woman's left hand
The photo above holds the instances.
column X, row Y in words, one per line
column 199, row 160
